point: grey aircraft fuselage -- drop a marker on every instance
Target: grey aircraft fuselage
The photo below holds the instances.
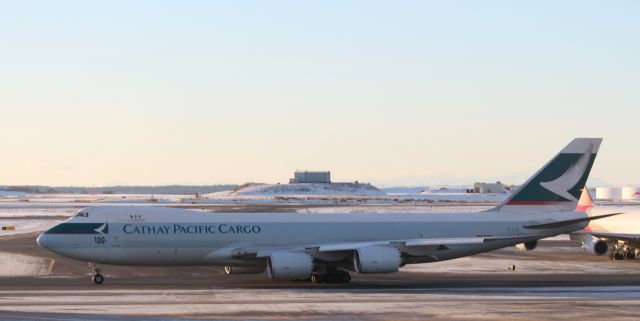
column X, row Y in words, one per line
column 158, row 236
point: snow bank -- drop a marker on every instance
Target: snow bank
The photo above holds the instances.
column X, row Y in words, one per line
column 447, row 193
column 464, row 197
column 12, row 194
column 22, row 265
column 442, row 189
column 401, row 190
column 9, row 213
column 394, row 209
column 340, row 189
column 27, row 226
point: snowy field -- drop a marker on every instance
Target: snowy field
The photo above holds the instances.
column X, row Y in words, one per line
column 28, row 226
column 396, row 209
column 337, row 189
column 22, row 265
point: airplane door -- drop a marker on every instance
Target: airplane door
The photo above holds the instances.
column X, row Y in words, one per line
column 114, row 244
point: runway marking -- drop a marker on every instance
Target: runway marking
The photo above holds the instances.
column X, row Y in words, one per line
column 51, row 264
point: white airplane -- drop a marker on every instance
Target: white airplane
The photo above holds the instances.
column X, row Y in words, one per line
column 619, row 236
column 325, row 247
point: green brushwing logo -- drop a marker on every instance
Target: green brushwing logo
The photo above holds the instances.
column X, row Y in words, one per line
column 560, row 181
column 79, row 228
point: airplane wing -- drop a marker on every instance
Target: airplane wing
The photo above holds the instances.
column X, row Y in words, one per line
column 248, row 252
column 436, row 244
column 634, row 238
column 555, row 224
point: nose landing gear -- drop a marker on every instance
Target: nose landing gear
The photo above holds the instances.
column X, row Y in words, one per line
column 97, row 278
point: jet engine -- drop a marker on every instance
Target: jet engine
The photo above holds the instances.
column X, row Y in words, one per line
column 289, row 266
column 595, row 246
column 243, row 269
column 376, row 259
column 527, row 246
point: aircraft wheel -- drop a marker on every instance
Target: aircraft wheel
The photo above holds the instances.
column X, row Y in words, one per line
column 98, row 279
column 330, row 278
column 345, row 277
column 318, row 279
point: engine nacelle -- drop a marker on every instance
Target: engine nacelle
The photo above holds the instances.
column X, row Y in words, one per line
column 243, row 269
column 289, row 266
column 376, row 259
column 527, row 246
column 595, row 246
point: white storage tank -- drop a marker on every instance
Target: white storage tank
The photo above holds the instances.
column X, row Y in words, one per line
column 609, row 193
column 631, row 192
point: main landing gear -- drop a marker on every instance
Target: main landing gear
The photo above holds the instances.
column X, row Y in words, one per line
column 332, row 276
column 97, row 278
column 623, row 253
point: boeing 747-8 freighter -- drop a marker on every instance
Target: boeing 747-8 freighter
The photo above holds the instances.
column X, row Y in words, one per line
column 326, row 247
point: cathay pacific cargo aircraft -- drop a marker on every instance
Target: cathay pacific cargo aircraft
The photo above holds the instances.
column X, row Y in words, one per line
column 324, row 248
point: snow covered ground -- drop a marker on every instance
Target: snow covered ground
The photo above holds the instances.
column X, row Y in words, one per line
column 335, row 193
column 446, row 193
column 17, row 212
column 28, row 226
column 22, row 265
column 12, row 194
column 336, row 189
column 394, row 209
column 462, row 197
column 411, row 190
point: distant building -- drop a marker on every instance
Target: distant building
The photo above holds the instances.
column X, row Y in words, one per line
column 624, row 193
column 609, row 193
column 488, row 187
column 311, row 177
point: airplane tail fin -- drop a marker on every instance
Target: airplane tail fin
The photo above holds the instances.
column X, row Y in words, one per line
column 586, row 202
column 557, row 185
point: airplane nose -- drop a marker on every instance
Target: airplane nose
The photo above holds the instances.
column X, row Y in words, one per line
column 43, row 240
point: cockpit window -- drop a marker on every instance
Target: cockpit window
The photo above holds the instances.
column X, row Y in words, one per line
column 82, row 214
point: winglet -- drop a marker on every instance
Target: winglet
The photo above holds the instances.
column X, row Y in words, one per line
column 557, row 185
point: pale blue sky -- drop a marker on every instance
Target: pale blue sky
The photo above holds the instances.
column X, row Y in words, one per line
column 159, row 92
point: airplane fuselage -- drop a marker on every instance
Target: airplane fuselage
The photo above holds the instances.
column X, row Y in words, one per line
column 130, row 235
column 627, row 223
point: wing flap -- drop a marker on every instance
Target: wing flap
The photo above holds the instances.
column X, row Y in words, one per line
column 445, row 241
column 422, row 242
column 349, row 246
